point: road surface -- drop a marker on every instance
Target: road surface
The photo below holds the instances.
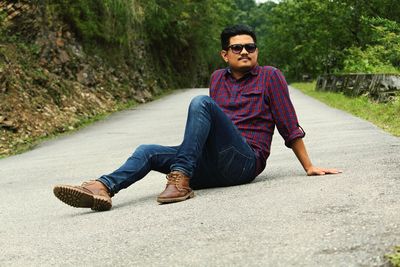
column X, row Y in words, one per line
column 283, row 218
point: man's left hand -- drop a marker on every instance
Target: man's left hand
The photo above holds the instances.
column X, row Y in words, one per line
column 321, row 171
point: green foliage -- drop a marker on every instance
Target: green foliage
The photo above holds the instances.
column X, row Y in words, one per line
column 314, row 37
column 302, row 36
column 244, row 12
column 382, row 55
column 185, row 36
column 178, row 39
column 106, row 21
column 384, row 115
column 3, row 15
column 394, row 257
column 370, row 60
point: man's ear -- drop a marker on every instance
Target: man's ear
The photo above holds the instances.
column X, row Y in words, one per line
column 224, row 55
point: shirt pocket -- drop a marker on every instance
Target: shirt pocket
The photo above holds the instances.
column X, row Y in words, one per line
column 251, row 94
column 251, row 99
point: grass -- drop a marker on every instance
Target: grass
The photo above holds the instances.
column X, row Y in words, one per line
column 383, row 115
column 394, row 258
column 82, row 122
column 32, row 142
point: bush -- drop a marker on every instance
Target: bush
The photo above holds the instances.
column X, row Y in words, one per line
column 382, row 54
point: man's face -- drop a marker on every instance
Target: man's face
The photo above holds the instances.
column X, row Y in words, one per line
column 243, row 61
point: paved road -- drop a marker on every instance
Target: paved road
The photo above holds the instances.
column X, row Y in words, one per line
column 283, row 218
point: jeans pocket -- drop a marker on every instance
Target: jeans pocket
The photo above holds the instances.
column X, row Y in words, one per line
column 234, row 166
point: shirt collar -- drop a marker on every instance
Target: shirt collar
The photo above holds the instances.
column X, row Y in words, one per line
column 254, row 71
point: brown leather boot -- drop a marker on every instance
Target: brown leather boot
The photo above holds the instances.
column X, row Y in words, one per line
column 91, row 194
column 177, row 188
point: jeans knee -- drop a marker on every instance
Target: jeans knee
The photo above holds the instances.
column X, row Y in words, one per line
column 200, row 101
column 143, row 151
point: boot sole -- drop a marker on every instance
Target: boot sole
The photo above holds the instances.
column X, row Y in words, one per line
column 175, row 199
column 80, row 199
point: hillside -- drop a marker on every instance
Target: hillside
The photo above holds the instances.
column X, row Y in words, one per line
column 49, row 83
column 65, row 62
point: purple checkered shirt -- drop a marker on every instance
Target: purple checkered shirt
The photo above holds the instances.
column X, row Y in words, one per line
column 255, row 104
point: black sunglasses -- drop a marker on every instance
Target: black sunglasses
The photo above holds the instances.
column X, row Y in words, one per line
column 237, row 48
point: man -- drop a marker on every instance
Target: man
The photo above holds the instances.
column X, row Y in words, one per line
column 227, row 136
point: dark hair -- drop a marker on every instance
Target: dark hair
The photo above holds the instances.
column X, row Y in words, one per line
column 234, row 30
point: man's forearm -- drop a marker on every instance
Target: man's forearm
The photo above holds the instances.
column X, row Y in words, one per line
column 300, row 151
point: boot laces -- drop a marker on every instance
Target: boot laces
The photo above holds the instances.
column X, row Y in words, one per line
column 174, row 178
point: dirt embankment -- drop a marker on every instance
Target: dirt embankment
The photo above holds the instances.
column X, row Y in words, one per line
column 49, row 84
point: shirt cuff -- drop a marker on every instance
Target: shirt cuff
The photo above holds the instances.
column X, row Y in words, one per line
column 297, row 133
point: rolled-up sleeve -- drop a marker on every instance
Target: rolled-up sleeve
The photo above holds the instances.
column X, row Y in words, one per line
column 282, row 108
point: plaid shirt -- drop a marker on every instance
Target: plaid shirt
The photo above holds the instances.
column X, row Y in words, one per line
column 255, row 104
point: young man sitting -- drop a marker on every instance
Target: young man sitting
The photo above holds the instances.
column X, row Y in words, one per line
column 227, row 137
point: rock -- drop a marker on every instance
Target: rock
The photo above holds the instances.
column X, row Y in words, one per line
column 8, row 125
column 86, row 76
column 306, row 77
column 64, row 58
column 59, row 42
column 82, row 77
column 380, row 87
column 147, row 94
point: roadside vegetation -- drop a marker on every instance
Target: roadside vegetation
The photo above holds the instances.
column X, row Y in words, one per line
column 384, row 115
column 315, row 37
column 394, row 257
column 64, row 62
column 63, row 65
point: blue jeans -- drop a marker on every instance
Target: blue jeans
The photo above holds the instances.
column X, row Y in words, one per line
column 213, row 153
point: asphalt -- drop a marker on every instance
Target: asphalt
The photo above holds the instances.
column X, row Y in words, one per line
column 283, row 218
